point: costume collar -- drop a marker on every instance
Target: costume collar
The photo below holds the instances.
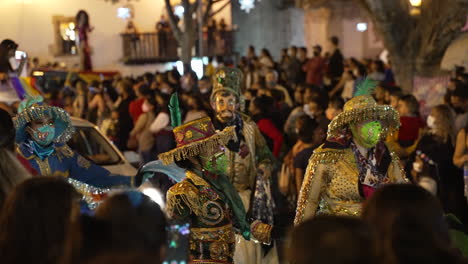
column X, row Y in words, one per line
column 239, row 124
column 30, row 147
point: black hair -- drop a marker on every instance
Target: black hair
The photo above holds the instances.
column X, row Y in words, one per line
column 336, row 102
column 334, row 40
column 411, row 102
column 5, row 46
column 7, row 130
column 264, row 104
column 307, row 127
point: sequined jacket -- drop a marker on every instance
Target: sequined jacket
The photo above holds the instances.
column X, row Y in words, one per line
column 212, row 238
column 331, row 183
column 90, row 179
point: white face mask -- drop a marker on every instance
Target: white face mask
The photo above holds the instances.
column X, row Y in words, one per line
column 430, row 121
column 307, row 111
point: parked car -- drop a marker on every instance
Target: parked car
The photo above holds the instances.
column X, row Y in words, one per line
column 91, row 143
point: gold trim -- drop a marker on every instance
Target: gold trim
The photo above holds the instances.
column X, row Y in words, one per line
column 196, row 121
column 195, row 148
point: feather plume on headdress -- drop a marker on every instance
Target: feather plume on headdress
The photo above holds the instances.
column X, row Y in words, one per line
column 365, row 87
column 176, row 117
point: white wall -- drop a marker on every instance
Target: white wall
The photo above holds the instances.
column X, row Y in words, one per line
column 29, row 23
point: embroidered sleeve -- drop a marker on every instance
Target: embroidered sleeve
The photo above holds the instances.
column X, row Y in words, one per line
column 182, row 200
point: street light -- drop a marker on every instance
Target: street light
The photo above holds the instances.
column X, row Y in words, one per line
column 415, row 3
column 415, row 8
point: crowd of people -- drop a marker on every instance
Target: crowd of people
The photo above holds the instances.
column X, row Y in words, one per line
column 295, row 103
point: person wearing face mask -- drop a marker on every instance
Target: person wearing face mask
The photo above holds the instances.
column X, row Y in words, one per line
column 250, row 160
column 271, row 79
column 437, row 145
column 205, row 197
column 42, row 133
column 353, row 162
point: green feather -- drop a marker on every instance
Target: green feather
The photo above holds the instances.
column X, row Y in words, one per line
column 176, row 117
column 366, row 87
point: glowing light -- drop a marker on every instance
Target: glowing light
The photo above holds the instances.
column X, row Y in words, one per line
column 124, row 13
column 247, row 5
column 155, row 195
column 415, row 3
column 179, row 11
column 38, row 73
column 361, row 27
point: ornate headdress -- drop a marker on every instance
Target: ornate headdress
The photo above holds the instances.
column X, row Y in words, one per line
column 34, row 108
column 227, row 79
column 194, row 137
column 362, row 107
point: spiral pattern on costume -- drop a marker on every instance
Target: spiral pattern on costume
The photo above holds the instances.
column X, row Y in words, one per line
column 213, row 213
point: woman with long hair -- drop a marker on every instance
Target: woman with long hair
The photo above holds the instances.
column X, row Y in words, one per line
column 437, row 145
column 12, row 172
column 125, row 124
column 83, row 27
column 161, row 126
column 35, row 220
column 409, row 226
column 142, row 132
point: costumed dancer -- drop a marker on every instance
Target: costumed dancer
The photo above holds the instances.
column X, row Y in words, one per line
column 354, row 161
column 41, row 134
column 205, row 198
column 83, row 27
column 250, row 161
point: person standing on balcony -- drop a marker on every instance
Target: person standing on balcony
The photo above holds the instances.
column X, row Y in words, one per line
column 83, row 28
column 162, row 28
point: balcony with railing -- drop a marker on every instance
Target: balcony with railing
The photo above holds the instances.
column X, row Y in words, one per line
column 154, row 47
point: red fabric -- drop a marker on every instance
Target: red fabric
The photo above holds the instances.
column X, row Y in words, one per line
column 135, row 109
column 409, row 129
column 267, row 127
column 26, row 165
column 315, row 69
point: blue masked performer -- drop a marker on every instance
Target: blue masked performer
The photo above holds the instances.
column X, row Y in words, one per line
column 41, row 134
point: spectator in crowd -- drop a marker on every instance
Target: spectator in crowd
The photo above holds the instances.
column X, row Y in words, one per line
column 142, row 132
column 125, row 124
column 7, row 51
column 271, row 79
column 13, row 168
column 315, row 68
column 306, row 130
column 335, row 63
column 379, row 94
column 437, row 145
column 292, row 67
column 315, row 108
column 126, row 224
column 97, row 107
column 195, row 107
column 335, row 107
column 265, row 61
column 377, row 71
column 161, row 126
column 460, row 157
column 80, row 105
column 459, row 102
column 260, row 109
column 303, row 59
column 395, row 95
column 411, row 126
column 141, row 91
column 409, row 226
column 333, row 240
column 39, row 210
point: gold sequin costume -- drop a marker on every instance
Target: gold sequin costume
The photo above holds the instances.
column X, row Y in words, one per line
column 331, row 181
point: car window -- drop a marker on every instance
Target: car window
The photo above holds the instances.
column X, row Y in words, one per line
column 87, row 142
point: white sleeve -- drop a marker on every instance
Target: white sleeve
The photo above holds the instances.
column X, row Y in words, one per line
column 160, row 122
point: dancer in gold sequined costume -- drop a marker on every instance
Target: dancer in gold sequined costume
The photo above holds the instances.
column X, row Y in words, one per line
column 354, row 160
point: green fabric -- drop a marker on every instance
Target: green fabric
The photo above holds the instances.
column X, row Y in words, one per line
column 176, row 117
column 226, row 190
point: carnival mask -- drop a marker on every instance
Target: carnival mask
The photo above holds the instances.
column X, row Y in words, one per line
column 367, row 134
column 43, row 135
column 225, row 107
column 216, row 164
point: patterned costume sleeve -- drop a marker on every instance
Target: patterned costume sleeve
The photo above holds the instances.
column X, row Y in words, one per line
column 311, row 191
column 87, row 172
column 182, row 200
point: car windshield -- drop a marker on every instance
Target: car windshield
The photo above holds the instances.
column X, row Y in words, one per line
column 89, row 143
